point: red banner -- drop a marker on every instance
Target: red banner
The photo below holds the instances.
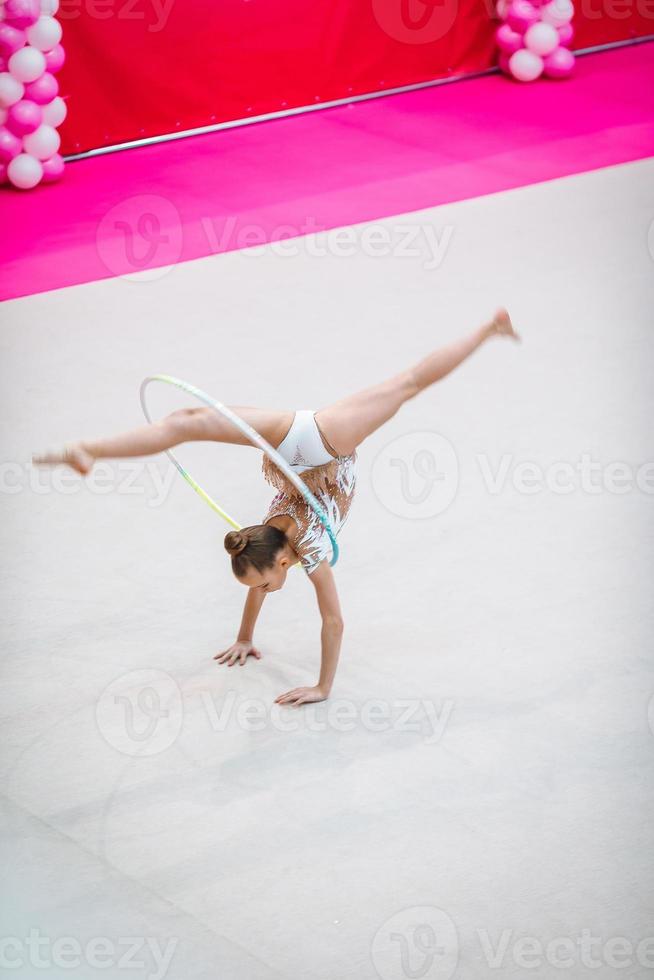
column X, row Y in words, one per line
column 139, row 68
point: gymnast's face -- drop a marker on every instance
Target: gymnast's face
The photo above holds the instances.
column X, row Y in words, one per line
column 271, row 579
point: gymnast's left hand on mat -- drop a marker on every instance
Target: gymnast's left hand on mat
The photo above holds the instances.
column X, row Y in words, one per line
column 303, row 695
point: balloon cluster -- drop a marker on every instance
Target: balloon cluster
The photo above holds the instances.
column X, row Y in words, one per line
column 30, row 106
column 534, row 38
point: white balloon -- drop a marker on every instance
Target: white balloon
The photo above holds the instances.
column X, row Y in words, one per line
column 49, row 7
column 45, row 34
column 541, row 38
column 558, row 12
column 3, row 116
column 24, row 171
column 525, row 65
column 11, row 90
column 27, row 65
column 42, row 143
column 55, row 112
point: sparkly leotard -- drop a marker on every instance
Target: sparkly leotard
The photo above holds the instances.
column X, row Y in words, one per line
column 331, row 478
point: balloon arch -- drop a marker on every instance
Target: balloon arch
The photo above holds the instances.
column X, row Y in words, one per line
column 534, row 39
column 30, row 106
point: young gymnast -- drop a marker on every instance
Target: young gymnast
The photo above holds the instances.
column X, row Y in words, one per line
column 321, row 447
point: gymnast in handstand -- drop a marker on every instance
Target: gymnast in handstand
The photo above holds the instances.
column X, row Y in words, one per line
column 320, row 446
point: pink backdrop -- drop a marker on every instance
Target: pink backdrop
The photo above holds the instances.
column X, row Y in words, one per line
column 140, row 68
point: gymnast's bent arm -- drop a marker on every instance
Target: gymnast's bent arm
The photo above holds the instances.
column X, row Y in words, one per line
column 243, row 647
column 331, row 636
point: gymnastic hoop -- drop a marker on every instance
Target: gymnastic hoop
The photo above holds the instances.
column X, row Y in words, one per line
column 254, row 438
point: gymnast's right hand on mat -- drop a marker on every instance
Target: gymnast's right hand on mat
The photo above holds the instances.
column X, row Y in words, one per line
column 240, row 651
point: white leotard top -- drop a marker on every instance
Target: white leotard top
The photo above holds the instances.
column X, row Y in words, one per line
column 302, row 447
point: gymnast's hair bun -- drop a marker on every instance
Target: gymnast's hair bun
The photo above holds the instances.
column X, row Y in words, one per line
column 235, row 542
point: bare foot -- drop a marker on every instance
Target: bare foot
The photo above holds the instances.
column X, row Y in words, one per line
column 73, row 455
column 501, row 325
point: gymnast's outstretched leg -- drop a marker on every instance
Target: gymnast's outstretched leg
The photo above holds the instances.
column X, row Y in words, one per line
column 346, row 423
column 184, row 425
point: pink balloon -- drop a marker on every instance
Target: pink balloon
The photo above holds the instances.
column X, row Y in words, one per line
column 3, row 63
column 24, row 117
column 43, row 90
column 507, row 39
column 3, row 173
column 559, row 64
column 53, row 169
column 10, row 145
column 54, row 59
column 566, row 34
column 22, row 13
column 521, row 15
column 11, row 40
